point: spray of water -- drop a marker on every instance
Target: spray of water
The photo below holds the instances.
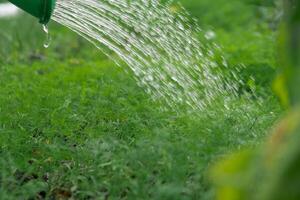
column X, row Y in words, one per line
column 159, row 46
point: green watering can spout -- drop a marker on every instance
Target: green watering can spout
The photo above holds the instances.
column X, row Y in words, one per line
column 41, row 9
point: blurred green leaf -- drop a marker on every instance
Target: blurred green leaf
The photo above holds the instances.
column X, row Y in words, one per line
column 273, row 172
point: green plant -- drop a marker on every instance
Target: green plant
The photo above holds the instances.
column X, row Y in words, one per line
column 272, row 171
column 72, row 123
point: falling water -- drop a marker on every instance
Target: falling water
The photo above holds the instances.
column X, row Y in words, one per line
column 159, row 46
column 48, row 37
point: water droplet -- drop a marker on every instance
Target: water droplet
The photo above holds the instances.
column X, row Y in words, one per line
column 209, row 35
column 47, row 41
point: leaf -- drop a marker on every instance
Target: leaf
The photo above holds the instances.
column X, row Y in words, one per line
column 232, row 175
column 279, row 87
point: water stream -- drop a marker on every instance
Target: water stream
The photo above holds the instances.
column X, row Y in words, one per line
column 159, row 46
column 47, row 41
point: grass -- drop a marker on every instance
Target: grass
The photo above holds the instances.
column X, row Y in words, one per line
column 74, row 125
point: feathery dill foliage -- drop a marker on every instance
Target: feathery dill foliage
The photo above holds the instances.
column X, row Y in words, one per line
column 73, row 124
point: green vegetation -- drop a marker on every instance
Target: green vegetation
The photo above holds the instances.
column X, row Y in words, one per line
column 73, row 124
column 272, row 170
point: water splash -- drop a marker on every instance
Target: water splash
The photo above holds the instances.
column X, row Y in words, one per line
column 160, row 47
column 47, row 41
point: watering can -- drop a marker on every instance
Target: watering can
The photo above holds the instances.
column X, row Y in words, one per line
column 41, row 9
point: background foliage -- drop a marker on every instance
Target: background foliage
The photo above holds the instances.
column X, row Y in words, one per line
column 272, row 171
